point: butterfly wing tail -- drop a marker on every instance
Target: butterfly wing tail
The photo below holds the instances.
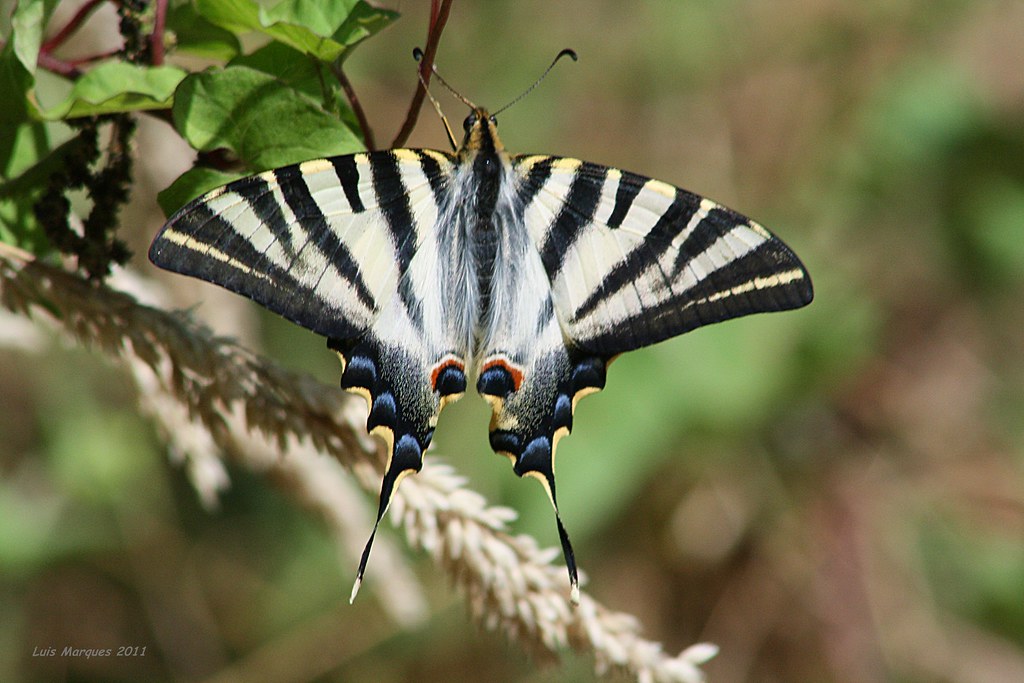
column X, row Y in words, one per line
column 403, row 411
column 532, row 411
column 405, row 457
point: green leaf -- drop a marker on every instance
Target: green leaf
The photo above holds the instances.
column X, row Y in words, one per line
column 305, row 74
column 323, row 30
column 197, row 36
column 28, row 157
column 262, row 120
column 290, row 66
column 322, row 18
column 18, row 224
column 119, row 87
column 21, row 146
column 242, row 110
column 18, row 58
column 27, row 26
column 363, row 22
column 26, row 164
column 16, row 82
column 190, row 185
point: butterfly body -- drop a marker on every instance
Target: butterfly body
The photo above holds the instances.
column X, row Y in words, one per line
column 526, row 274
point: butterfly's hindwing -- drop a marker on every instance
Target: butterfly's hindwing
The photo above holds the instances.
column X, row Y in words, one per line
column 405, row 390
column 533, row 409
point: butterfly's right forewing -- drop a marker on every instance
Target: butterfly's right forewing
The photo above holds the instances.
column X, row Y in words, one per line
column 633, row 261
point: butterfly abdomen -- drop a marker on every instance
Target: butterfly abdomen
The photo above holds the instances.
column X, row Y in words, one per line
column 485, row 253
column 489, row 170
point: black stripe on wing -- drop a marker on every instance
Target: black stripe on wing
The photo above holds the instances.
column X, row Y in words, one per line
column 393, row 198
column 535, row 179
column 348, row 176
column 319, row 233
column 573, row 217
column 435, row 176
column 645, row 254
column 260, row 196
column 630, row 185
column 769, row 278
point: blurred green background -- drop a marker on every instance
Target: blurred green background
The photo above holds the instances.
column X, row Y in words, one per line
column 835, row 493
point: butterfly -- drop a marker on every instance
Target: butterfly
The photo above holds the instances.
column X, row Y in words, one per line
column 527, row 274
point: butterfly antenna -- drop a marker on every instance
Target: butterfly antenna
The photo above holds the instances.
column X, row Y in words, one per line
column 417, row 54
column 564, row 53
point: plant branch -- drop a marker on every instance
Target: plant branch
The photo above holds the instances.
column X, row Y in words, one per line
column 439, row 12
column 364, row 124
column 73, row 25
column 82, row 61
column 156, row 38
column 58, row 66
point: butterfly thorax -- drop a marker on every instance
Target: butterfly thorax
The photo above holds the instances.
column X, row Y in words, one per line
column 483, row 207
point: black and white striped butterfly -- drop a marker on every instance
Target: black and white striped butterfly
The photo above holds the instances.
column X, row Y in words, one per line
column 426, row 269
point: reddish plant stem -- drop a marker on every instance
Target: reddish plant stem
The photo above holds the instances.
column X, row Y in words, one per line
column 73, row 25
column 58, row 66
column 438, row 18
column 357, row 107
column 156, row 38
column 93, row 58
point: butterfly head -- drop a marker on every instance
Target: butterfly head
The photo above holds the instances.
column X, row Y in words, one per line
column 481, row 127
column 481, row 133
